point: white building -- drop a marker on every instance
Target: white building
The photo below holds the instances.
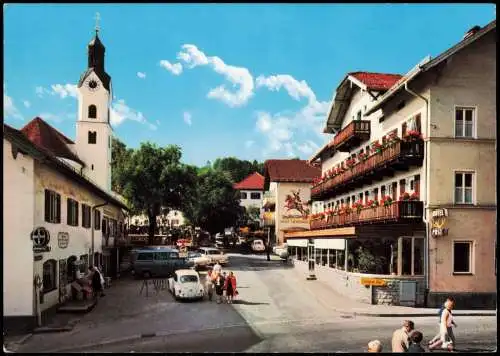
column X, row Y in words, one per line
column 60, row 215
column 251, row 190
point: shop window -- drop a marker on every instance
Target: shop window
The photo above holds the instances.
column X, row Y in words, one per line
column 49, row 276
column 462, row 257
column 324, row 257
column 317, row 256
column 418, row 256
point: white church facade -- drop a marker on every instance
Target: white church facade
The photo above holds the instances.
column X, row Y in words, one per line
column 60, row 215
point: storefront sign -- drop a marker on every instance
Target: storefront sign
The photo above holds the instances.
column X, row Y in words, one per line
column 41, row 238
column 438, row 222
column 377, row 282
column 63, row 239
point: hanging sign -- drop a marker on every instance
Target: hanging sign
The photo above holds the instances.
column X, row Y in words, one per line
column 438, row 222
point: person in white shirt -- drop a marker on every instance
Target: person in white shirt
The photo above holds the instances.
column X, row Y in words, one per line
column 447, row 338
column 217, row 268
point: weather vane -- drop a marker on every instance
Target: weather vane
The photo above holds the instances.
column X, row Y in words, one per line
column 97, row 18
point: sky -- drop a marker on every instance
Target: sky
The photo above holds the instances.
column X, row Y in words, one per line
column 249, row 81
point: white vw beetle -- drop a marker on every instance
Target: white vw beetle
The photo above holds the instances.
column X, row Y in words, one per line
column 186, row 284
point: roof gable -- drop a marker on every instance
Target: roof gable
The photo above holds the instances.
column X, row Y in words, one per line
column 254, row 181
column 376, row 81
column 45, row 136
column 290, row 170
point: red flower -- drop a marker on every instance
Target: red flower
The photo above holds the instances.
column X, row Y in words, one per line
column 404, row 196
column 414, row 196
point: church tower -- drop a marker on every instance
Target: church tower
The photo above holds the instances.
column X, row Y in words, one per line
column 93, row 129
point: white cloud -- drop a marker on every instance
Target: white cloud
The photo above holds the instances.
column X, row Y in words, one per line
column 249, row 143
column 51, row 117
column 277, row 129
column 175, row 68
column 141, row 75
column 40, row 91
column 64, row 90
column 296, row 89
column 187, row 118
column 308, row 147
column 9, row 108
column 157, row 122
column 120, row 112
column 239, row 77
column 26, row 103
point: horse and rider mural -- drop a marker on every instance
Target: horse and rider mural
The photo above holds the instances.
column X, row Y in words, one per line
column 295, row 208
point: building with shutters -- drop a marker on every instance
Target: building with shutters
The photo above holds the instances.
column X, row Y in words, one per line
column 60, row 215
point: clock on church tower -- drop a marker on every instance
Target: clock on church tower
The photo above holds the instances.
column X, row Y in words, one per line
column 93, row 129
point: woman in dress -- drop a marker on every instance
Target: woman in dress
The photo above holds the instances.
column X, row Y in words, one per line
column 219, row 287
column 230, row 287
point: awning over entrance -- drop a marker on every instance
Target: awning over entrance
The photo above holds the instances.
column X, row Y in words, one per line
column 360, row 232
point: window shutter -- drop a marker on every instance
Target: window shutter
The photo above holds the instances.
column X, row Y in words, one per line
column 68, row 211
column 418, row 122
column 84, row 213
column 76, row 213
column 58, row 208
column 47, row 205
column 403, row 129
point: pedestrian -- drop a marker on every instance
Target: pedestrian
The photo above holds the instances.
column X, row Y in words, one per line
column 400, row 337
column 438, row 335
column 415, row 340
column 217, row 268
column 230, row 287
column 210, row 284
column 446, row 335
column 219, row 287
column 375, row 346
column 97, row 286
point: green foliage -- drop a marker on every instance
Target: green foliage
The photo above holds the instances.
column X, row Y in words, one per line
column 120, row 155
column 237, row 169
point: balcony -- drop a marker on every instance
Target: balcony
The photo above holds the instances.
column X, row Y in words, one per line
column 352, row 135
column 397, row 212
column 399, row 156
column 268, row 218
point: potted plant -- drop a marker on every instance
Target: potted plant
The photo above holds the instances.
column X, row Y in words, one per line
column 412, row 135
column 393, row 138
column 350, row 163
column 386, row 201
column 405, row 196
column 414, row 197
column 358, row 206
column 363, row 156
column 377, row 147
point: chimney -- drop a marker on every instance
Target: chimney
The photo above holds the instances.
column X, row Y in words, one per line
column 471, row 32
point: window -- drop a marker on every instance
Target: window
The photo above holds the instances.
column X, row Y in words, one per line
column 72, row 219
column 71, row 269
column 49, row 276
column 97, row 219
column 92, row 137
column 148, row 256
column 416, row 184
column 188, row 279
column 52, row 207
column 254, row 195
column 382, row 191
column 464, row 122
column 92, row 112
column 367, row 196
column 84, row 264
column 243, row 195
column 463, row 188
column 462, row 257
column 105, row 228
column 375, row 194
column 86, row 216
column 402, row 186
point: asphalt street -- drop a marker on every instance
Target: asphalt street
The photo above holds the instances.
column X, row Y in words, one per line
column 274, row 312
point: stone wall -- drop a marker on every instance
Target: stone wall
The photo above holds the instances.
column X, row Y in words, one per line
column 349, row 285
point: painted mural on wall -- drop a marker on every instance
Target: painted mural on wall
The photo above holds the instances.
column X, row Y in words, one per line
column 295, row 208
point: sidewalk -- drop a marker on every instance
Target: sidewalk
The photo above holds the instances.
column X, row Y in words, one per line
column 329, row 298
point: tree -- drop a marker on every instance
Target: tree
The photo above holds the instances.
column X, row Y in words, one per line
column 154, row 179
column 215, row 204
column 120, row 155
column 237, row 169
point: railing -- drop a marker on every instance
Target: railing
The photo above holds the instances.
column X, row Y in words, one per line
column 397, row 211
column 354, row 128
column 401, row 149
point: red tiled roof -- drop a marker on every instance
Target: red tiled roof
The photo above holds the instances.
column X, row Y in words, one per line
column 45, row 136
column 377, row 81
column 290, row 170
column 254, row 181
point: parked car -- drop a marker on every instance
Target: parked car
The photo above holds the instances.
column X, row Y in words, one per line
column 156, row 262
column 281, row 251
column 186, row 284
column 214, row 255
column 258, row 246
column 197, row 260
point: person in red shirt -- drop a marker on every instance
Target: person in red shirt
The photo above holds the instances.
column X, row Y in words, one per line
column 230, row 287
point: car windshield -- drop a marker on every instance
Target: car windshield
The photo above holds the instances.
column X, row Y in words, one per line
column 214, row 252
column 188, row 279
column 194, row 254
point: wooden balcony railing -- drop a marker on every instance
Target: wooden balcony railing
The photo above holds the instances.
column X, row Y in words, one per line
column 399, row 211
column 400, row 152
column 352, row 135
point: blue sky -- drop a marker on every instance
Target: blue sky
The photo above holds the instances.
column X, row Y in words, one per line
column 251, row 81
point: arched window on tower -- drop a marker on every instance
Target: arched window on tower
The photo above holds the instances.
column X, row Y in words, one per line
column 92, row 112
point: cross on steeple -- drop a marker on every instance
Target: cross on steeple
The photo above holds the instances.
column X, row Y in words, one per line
column 97, row 18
